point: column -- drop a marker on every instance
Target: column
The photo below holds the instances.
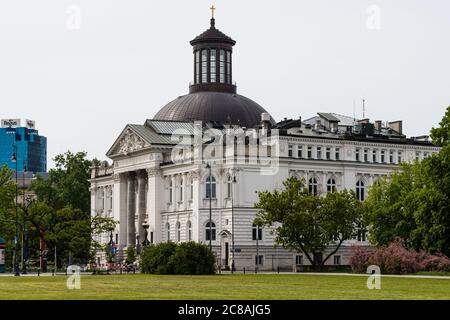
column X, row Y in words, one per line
column 142, row 210
column 120, row 207
column 131, row 209
column 155, row 201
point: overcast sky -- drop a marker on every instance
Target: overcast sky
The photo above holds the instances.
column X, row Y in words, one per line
column 82, row 80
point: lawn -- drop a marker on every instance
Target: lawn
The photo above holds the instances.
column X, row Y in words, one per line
column 261, row 286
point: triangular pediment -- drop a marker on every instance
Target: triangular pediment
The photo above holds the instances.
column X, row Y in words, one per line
column 129, row 141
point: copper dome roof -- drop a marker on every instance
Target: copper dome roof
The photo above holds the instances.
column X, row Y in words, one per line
column 207, row 106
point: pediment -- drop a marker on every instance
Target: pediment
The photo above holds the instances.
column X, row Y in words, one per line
column 128, row 142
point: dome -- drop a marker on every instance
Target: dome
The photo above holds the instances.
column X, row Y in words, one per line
column 207, row 106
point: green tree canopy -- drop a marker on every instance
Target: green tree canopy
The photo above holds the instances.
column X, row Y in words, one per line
column 307, row 223
column 413, row 203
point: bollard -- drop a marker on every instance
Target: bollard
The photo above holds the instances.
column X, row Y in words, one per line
column 278, row 269
column 244, row 270
column 39, row 272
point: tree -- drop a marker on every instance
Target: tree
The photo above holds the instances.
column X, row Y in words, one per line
column 441, row 135
column 62, row 213
column 413, row 203
column 307, row 223
column 7, row 212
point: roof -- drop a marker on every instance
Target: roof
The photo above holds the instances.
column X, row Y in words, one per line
column 213, row 35
column 328, row 116
column 208, row 106
column 170, row 127
column 343, row 120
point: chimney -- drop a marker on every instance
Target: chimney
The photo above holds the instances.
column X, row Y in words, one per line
column 265, row 120
column 397, row 126
column 378, row 125
column 366, row 120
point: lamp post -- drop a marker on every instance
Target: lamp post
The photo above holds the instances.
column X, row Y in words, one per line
column 145, row 225
column 16, row 240
column 25, row 204
column 232, row 222
column 208, row 166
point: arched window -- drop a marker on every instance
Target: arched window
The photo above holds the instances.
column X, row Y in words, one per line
column 178, row 229
column 181, row 189
column 168, row 231
column 256, row 232
column 210, row 187
column 331, row 185
column 189, row 231
column 171, row 191
column 360, row 190
column 312, row 186
column 211, row 232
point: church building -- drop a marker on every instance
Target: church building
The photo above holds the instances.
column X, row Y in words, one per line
column 192, row 173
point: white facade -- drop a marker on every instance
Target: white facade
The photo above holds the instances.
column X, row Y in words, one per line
column 146, row 183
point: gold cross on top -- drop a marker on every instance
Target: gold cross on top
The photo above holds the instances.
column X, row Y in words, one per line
column 212, row 10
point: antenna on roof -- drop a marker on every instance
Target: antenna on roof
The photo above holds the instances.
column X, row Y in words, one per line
column 364, row 107
column 354, row 112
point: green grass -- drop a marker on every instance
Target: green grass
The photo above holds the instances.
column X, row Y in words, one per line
column 263, row 286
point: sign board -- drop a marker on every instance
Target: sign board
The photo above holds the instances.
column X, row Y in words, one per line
column 10, row 123
column 31, row 124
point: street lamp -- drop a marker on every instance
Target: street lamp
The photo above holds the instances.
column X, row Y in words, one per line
column 145, row 225
column 208, row 166
column 232, row 222
column 26, row 201
column 16, row 240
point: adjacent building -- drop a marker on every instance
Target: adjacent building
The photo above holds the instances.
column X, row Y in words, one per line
column 22, row 147
column 192, row 172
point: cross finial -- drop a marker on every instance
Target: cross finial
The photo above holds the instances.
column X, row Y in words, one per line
column 212, row 11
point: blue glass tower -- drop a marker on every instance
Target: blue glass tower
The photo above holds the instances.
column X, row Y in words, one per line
column 30, row 146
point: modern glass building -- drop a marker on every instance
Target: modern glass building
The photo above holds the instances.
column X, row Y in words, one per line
column 23, row 144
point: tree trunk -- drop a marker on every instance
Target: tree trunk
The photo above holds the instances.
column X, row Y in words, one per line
column 317, row 261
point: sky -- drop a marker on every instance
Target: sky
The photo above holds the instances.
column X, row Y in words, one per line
column 83, row 69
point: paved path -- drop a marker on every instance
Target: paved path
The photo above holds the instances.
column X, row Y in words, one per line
column 252, row 273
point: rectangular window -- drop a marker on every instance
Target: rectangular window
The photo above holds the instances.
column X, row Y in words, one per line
column 290, row 147
column 204, row 66
column 417, row 155
column 374, row 156
column 328, row 153
column 197, row 66
column 383, row 156
column 357, row 155
column 337, row 154
column 366, row 155
column 425, row 154
column 259, row 260
column 213, row 65
column 229, row 67
column 299, row 259
column 399, row 157
column 254, row 233
column 319, row 153
column 337, row 260
column 222, row 66
column 299, row 151
column 391, row 156
column 309, row 152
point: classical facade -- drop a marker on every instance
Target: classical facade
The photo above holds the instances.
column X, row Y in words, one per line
column 193, row 171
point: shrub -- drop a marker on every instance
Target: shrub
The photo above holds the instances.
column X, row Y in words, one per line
column 171, row 258
column 131, row 254
column 192, row 258
column 155, row 258
column 395, row 258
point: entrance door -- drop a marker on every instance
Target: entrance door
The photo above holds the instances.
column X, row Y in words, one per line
column 227, row 253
